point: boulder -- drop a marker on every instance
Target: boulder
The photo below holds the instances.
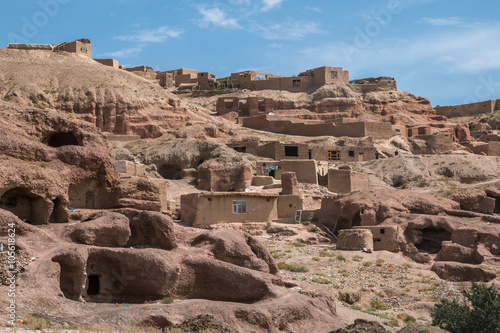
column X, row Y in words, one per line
column 237, row 247
column 455, row 252
column 421, row 329
column 150, row 229
column 106, row 229
column 454, row 271
column 465, row 236
column 475, row 201
column 350, row 296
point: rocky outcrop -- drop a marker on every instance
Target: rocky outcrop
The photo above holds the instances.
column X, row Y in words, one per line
column 106, row 229
column 454, row 271
column 224, row 177
column 49, row 163
column 380, row 204
column 237, row 247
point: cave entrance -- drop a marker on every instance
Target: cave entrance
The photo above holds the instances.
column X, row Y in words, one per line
column 60, row 139
column 431, row 239
column 93, row 287
column 26, row 205
column 170, row 171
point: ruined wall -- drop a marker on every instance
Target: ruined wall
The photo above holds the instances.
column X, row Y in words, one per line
column 355, row 240
column 467, row 109
column 109, row 62
column 210, row 209
column 437, row 143
column 373, row 84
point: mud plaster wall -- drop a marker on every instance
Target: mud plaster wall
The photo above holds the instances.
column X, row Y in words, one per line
column 466, row 109
column 206, row 210
column 345, row 181
column 494, row 149
column 305, row 170
column 108, row 62
column 288, row 205
column 346, row 154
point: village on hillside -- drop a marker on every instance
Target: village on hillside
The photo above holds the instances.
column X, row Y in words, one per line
column 131, row 185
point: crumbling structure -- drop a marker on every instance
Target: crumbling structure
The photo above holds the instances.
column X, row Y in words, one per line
column 80, row 46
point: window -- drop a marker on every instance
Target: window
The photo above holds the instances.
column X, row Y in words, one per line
column 291, row 151
column 83, row 50
column 296, row 83
column 333, row 155
column 382, row 231
column 398, row 130
column 240, row 149
column 334, row 75
column 351, row 153
column 239, row 207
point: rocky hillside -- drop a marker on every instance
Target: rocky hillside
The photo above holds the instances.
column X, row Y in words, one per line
column 114, row 100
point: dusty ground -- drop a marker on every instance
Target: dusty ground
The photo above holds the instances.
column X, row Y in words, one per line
column 391, row 285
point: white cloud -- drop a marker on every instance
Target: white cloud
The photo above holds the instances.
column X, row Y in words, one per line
column 448, row 21
column 270, row 4
column 152, row 36
column 217, row 17
column 125, row 53
column 314, row 9
column 459, row 51
column 291, row 30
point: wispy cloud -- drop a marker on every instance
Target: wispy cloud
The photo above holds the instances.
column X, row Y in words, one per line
column 291, row 30
column 314, row 9
column 152, row 35
column 217, row 17
column 270, row 4
column 453, row 52
column 125, row 53
column 439, row 21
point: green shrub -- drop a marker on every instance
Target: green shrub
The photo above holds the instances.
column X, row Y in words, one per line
column 305, row 222
column 167, row 300
column 292, row 267
column 314, row 229
column 481, row 314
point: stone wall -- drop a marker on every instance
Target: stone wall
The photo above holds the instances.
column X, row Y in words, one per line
column 385, row 238
column 355, row 240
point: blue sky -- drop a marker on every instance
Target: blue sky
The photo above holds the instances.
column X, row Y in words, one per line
column 445, row 50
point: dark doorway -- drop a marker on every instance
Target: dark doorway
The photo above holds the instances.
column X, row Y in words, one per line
column 93, row 285
column 62, row 139
column 291, row 151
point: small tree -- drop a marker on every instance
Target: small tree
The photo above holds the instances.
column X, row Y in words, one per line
column 481, row 314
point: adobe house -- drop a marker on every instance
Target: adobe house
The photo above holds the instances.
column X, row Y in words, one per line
column 131, row 169
column 478, row 129
column 342, row 153
column 183, row 76
column 400, row 130
column 207, row 208
column 303, row 82
column 356, row 129
column 206, row 80
column 344, row 180
column 437, row 142
column 419, row 131
column 80, row 46
column 385, row 238
column 250, row 106
column 468, row 109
